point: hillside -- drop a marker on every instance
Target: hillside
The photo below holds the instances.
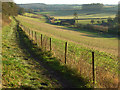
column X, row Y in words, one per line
column 49, row 46
column 80, row 46
column 86, row 39
column 54, row 7
column 46, row 7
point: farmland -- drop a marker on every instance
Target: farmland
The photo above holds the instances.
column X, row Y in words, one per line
column 68, row 14
column 105, row 46
column 92, row 40
column 60, row 46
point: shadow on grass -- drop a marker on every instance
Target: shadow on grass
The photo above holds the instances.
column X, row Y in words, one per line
column 65, row 76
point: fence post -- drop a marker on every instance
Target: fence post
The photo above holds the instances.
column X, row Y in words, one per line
column 41, row 40
column 93, row 69
column 50, row 45
column 32, row 34
column 35, row 37
column 29, row 32
column 65, row 51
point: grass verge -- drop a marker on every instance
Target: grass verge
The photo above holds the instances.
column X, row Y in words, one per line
column 20, row 70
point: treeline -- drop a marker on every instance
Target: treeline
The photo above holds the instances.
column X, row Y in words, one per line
column 93, row 6
column 110, row 26
column 10, row 9
column 37, row 7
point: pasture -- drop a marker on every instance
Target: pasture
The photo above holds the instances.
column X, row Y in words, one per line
column 69, row 14
column 105, row 43
column 80, row 45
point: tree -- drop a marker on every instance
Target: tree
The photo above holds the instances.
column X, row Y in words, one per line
column 93, row 6
column 103, row 21
column 75, row 16
column 9, row 9
column 21, row 11
column 92, row 21
column 98, row 22
column 109, row 20
column 30, row 10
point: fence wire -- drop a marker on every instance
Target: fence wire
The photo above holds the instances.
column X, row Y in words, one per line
column 79, row 58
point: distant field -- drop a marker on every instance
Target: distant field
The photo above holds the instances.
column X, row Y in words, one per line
column 30, row 14
column 64, row 14
column 102, row 15
column 109, row 10
column 91, row 40
column 89, row 21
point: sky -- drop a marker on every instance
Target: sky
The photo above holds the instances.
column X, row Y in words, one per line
column 67, row 1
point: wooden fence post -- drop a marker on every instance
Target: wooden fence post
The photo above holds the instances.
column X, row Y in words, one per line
column 50, row 45
column 29, row 32
column 35, row 37
column 32, row 34
column 41, row 40
column 65, row 51
column 93, row 69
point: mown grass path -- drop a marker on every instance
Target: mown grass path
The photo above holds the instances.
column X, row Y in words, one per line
column 20, row 70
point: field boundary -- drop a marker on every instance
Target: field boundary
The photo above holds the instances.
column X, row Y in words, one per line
column 43, row 44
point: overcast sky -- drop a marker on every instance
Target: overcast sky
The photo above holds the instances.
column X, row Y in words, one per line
column 67, row 1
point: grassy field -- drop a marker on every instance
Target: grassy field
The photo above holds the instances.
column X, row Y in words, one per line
column 19, row 69
column 80, row 46
column 29, row 14
column 104, row 43
column 68, row 14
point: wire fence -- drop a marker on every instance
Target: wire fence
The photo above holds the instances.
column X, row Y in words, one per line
column 100, row 68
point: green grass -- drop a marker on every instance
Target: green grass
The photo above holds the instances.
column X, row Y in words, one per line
column 19, row 69
column 79, row 49
column 83, row 38
column 29, row 14
column 81, row 14
column 52, row 62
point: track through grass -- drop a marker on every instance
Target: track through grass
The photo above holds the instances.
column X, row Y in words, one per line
column 20, row 70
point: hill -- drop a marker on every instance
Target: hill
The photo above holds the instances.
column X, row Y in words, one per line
column 47, row 7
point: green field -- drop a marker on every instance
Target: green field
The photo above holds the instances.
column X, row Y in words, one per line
column 68, row 14
column 81, row 15
column 87, row 39
column 80, row 46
